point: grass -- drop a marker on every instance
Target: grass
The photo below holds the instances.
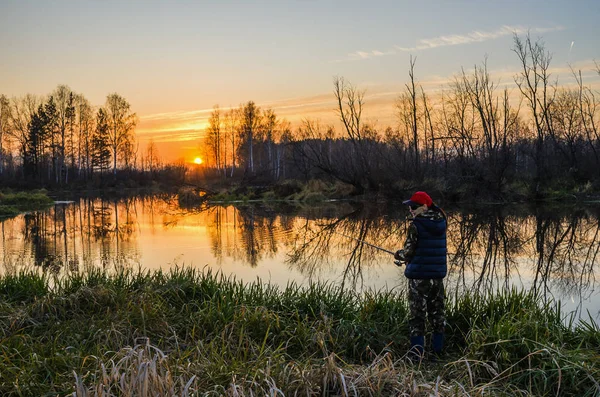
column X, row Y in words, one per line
column 189, row 196
column 191, row 332
column 12, row 204
column 289, row 191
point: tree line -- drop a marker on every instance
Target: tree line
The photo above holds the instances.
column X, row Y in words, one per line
column 475, row 134
column 62, row 138
column 250, row 140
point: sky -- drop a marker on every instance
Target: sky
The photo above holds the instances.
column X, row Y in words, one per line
column 174, row 60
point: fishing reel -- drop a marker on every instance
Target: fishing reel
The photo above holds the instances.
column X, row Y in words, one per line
column 397, row 263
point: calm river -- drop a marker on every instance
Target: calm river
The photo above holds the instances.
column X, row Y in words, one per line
column 552, row 250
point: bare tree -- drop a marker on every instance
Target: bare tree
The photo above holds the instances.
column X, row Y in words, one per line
column 495, row 120
column 20, row 113
column 428, row 129
column 313, row 150
column 271, row 124
column 412, row 95
column 65, row 111
column 232, row 121
column 85, row 128
column 411, row 115
column 458, row 122
column 350, row 103
column 588, row 110
column 284, row 138
column 567, row 125
column 213, row 137
column 534, row 83
column 129, row 154
column 250, row 124
column 349, row 107
column 4, row 127
column 152, row 156
column 121, row 123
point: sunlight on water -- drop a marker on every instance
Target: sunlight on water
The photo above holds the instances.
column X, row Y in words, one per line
column 552, row 252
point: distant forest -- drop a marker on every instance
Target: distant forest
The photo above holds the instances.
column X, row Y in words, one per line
column 474, row 138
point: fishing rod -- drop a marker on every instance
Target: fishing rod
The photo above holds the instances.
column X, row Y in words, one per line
column 396, row 262
column 366, row 243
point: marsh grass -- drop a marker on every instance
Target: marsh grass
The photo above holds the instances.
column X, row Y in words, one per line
column 191, row 332
column 288, row 191
column 189, row 196
column 12, row 204
column 316, row 191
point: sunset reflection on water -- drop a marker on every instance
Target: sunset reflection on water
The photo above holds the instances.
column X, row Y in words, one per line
column 554, row 252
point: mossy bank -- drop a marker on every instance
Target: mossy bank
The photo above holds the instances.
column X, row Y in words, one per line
column 14, row 203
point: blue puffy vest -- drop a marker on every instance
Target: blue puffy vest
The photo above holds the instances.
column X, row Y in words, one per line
column 429, row 261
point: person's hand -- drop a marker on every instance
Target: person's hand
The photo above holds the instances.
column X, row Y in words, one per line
column 399, row 255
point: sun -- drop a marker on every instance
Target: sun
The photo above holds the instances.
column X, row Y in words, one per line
column 198, row 160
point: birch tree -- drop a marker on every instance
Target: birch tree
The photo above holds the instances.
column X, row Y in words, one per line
column 4, row 109
column 121, row 123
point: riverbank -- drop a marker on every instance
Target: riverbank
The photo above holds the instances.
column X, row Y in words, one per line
column 241, row 189
column 316, row 191
column 311, row 192
column 195, row 331
column 12, row 204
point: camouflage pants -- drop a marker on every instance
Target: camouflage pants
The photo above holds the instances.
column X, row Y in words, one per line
column 426, row 298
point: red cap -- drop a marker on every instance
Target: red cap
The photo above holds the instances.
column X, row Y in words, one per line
column 418, row 199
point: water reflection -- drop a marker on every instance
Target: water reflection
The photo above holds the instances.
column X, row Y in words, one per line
column 547, row 250
column 320, row 241
column 73, row 237
column 551, row 251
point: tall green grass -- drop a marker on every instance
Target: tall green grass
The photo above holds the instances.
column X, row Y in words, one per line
column 12, row 204
column 187, row 332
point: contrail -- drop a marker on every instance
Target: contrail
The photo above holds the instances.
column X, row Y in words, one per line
column 570, row 48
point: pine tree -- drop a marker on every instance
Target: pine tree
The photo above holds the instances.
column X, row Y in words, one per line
column 100, row 143
column 35, row 144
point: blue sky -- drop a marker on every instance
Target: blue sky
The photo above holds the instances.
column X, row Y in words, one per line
column 185, row 56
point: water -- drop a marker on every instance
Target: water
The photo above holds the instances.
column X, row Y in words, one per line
column 554, row 251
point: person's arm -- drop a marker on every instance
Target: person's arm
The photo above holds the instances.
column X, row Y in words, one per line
column 410, row 245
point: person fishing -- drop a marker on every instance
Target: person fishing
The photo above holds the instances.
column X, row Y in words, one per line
column 424, row 254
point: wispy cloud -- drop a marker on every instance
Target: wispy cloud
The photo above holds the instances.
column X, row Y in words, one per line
column 475, row 36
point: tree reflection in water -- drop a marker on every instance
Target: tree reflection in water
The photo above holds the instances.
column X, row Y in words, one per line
column 547, row 250
column 544, row 250
column 322, row 240
column 67, row 237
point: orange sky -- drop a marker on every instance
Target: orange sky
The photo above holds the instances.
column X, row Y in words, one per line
column 179, row 134
column 173, row 61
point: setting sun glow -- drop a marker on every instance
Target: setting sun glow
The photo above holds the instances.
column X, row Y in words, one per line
column 198, row 160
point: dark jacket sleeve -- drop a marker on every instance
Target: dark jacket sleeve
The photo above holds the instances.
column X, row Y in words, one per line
column 410, row 245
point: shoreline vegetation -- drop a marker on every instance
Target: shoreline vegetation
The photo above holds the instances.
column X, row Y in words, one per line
column 290, row 191
column 316, row 191
column 312, row 192
column 14, row 203
column 190, row 332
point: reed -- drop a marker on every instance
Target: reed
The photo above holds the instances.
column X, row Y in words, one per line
column 193, row 332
